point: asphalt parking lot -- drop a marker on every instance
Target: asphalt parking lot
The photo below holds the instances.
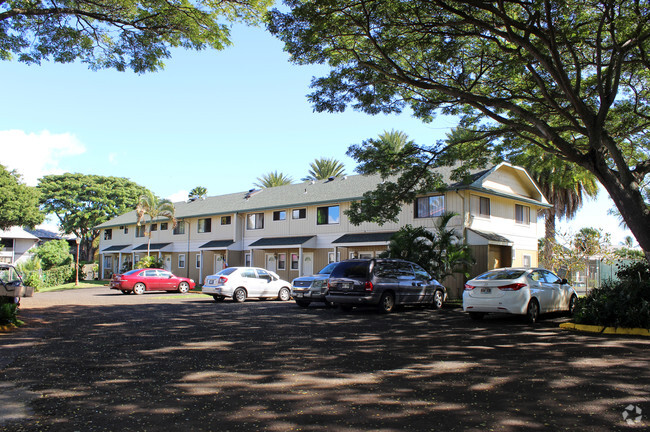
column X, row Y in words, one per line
column 97, row 360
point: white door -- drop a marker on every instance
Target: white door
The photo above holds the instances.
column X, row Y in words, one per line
column 308, row 263
column 218, row 263
column 168, row 263
column 270, row 262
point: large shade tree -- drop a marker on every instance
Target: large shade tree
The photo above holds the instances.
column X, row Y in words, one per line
column 18, row 202
column 120, row 34
column 82, row 201
column 569, row 77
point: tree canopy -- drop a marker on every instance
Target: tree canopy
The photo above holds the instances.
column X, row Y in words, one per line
column 81, row 202
column 154, row 207
column 118, row 34
column 569, row 77
column 18, row 202
column 324, row 168
column 273, row 179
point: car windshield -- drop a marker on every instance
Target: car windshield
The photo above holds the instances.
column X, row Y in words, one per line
column 329, row 268
column 351, row 269
column 501, row 275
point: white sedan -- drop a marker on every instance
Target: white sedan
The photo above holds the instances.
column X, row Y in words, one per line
column 241, row 283
column 521, row 291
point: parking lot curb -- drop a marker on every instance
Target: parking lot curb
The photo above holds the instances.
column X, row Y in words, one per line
column 605, row 330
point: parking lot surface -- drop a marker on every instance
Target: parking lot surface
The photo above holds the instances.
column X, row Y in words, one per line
column 97, row 360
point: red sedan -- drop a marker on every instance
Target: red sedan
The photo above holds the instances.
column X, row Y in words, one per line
column 149, row 279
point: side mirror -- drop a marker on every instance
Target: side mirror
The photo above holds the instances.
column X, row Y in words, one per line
column 564, row 282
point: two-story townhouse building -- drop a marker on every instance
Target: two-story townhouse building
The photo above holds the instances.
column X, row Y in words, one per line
column 296, row 229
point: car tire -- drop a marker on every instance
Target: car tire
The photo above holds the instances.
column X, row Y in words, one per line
column 532, row 312
column 126, row 292
column 572, row 304
column 218, row 298
column 139, row 288
column 438, row 299
column 303, row 303
column 239, row 295
column 476, row 316
column 284, row 294
column 387, row 303
column 183, row 287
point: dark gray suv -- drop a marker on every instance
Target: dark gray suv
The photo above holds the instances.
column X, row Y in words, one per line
column 384, row 283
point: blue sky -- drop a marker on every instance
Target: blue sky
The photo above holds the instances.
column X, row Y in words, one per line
column 217, row 119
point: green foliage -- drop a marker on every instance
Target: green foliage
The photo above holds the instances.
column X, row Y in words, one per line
column 54, row 253
column 441, row 252
column 150, row 261
column 58, row 275
column 18, row 202
column 635, row 271
column 81, row 202
column 324, row 168
column 198, row 192
column 8, row 312
column 34, row 279
column 156, row 208
column 572, row 251
column 273, row 179
column 518, row 74
column 118, row 34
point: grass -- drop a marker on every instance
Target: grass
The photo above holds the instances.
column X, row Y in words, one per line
column 71, row 285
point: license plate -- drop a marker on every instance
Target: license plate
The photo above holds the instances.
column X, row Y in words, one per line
column 346, row 286
column 298, row 295
column 486, row 290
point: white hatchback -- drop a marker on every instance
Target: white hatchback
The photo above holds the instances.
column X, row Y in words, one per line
column 521, row 291
column 241, row 283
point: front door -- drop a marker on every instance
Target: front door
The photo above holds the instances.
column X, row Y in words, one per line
column 168, row 262
column 270, row 262
column 308, row 263
column 218, row 263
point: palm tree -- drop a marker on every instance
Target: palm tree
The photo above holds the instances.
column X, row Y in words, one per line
column 564, row 184
column 198, row 192
column 149, row 204
column 394, row 141
column 273, row 179
column 324, row 168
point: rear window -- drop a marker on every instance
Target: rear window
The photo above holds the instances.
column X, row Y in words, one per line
column 227, row 271
column 328, row 268
column 501, row 275
column 351, row 270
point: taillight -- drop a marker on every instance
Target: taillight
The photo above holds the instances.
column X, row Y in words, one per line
column 368, row 286
column 223, row 280
column 512, row 287
column 469, row 287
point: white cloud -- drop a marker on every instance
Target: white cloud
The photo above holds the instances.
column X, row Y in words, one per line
column 112, row 158
column 37, row 154
column 178, row 196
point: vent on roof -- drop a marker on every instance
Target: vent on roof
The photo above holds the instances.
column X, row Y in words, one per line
column 312, row 182
column 330, row 179
column 344, row 178
column 252, row 192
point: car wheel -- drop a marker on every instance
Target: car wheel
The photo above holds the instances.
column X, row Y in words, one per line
column 284, row 294
column 218, row 298
column 438, row 298
column 239, row 295
column 303, row 303
column 183, row 287
column 346, row 308
column 533, row 311
column 125, row 291
column 139, row 288
column 572, row 304
column 387, row 303
column 476, row 315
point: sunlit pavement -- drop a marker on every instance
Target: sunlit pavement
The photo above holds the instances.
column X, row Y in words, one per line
column 94, row 360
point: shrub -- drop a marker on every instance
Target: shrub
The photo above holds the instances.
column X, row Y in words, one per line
column 8, row 311
column 54, row 253
column 58, row 275
column 149, row 262
column 33, row 279
column 621, row 303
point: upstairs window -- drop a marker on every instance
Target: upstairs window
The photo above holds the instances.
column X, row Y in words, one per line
column 522, row 214
column 164, row 226
column 328, row 215
column 299, row 213
column 429, row 207
column 154, row 227
column 108, row 234
column 279, row 215
column 205, row 225
column 226, row 220
column 255, row 221
column 180, row 228
column 139, row 231
column 484, row 207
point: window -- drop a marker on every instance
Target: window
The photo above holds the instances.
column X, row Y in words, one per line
column 226, row 220
column 139, row 231
column 522, row 214
column 198, row 261
column 181, row 261
column 282, row 261
column 164, row 226
column 294, row 261
column 484, row 206
column 527, row 260
column 247, row 260
column 154, row 227
column 255, row 221
column 108, row 234
column 205, row 225
column 299, row 213
column 328, row 215
column 279, row 215
column 126, row 230
column 428, row 207
column 180, row 228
